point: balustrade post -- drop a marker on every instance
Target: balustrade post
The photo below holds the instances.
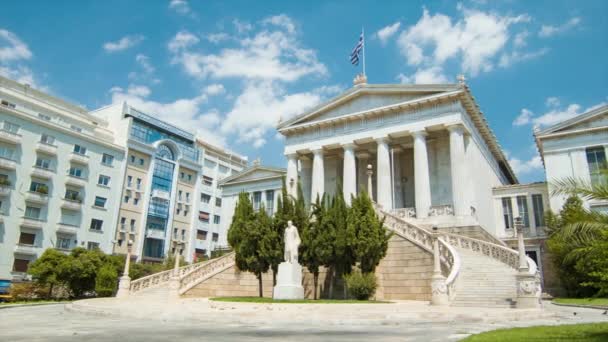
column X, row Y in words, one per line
column 439, row 289
column 528, row 285
column 174, row 281
column 370, row 190
column 124, row 283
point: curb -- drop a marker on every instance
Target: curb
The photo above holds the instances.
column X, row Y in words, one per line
column 598, row 307
column 9, row 306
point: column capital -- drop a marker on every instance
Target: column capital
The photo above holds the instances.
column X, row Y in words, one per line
column 382, row 139
column 457, row 127
column 317, row 150
column 418, row 133
column 348, row 146
column 362, row 155
column 292, row 155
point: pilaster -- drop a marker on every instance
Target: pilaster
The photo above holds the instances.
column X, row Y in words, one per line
column 421, row 174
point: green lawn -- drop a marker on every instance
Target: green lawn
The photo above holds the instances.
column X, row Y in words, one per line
column 294, row 301
column 576, row 332
column 583, row 301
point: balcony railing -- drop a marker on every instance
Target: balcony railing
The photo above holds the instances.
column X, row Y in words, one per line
column 79, row 158
column 10, row 137
column 71, row 204
column 42, row 173
column 46, row 148
column 76, row 181
column 67, row 228
column 31, row 222
column 39, row 197
column 7, row 164
column 5, row 190
column 27, row 249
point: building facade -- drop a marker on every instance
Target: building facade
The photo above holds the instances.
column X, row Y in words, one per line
column 213, row 213
column 433, row 157
column 160, row 182
column 60, row 169
column 576, row 148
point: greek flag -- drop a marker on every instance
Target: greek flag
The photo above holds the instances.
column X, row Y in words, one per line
column 354, row 56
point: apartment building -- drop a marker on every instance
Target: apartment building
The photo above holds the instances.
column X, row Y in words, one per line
column 59, row 170
column 212, row 223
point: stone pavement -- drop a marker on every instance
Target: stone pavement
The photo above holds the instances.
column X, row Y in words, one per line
column 196, row 320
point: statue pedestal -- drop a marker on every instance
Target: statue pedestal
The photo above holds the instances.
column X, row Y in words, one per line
column 289, row 282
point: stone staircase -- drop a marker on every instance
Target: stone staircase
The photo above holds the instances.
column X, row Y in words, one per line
column 484, row 282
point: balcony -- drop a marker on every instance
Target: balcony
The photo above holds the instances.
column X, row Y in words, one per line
column 76, row 181
column 67, row 228
column 155, row 234
column 27, row 249
column 71, row 204
column 46, row 148
column 37, row 197
column 7, row 164
column 42, row 173
column 157, row 193
column 30, row 222
column 79, row 158
column 10, row 137
column 5, row 190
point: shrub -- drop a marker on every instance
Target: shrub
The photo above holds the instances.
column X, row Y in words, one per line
column 106, row 280
column 362, row 286
column 27, row 291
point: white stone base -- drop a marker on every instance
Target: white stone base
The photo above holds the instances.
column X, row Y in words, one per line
column 289, row 282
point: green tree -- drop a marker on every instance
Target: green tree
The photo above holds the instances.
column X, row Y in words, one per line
column 367, row 233
column 79, row 270
column 316, row 249
column 46, row 270
column 243, row 215
column 284, row 213
column 106, row 280
column 343, row 254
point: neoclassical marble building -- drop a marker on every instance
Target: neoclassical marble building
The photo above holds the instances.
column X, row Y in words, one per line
column 433, row 156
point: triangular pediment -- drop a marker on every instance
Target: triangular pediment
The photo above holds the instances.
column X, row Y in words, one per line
column 595, row 118
column 253, row 174
column 365, row 98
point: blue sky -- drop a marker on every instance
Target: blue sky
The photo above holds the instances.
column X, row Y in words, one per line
column 231, row 69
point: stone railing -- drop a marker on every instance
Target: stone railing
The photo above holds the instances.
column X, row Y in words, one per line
column 404, row 212
column 441, row 210
column 450, row 261
column 160, row 278
column 503, row 254
column 209, row 269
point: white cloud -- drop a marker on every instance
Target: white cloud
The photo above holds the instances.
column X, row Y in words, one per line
column 242, row 26
column 552, row 30
column 552, row 102
column 385, row 33
column 266, row 55
column 281, row 20
column 217, row 37
column 214, row 89
column 432, row 75
column 476, row 40
column 181, row 41
column 508, row 59
column 524, row 117
column 180, row 6
column 144, row 62
column 12, row 48
column 123, row 43
column 521, row 167
column 520, row 38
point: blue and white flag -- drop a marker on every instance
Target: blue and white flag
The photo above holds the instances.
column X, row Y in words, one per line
column 354, row 56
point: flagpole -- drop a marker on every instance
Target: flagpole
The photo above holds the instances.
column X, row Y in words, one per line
column 363, row 35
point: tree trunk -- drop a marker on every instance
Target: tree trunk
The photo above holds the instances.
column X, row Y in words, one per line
column 260, row 285
column 275, row 269
column 330, row 273
column 315, row 281
column 50, row 295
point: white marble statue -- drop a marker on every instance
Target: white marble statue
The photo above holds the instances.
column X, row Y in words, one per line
column 292, row 242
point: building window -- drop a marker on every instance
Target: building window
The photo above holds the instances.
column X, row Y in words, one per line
column 72, row 195
column 205, row 198
column 539, row 211
column 27, row 239
column 80, row 150
column 216, row 219
column 187, row 197
column 135, row 200
column 63, row 242
column 141, row 161
column 165, row 152
column 218, row 202
column 522, row 205
column 76, row 128
column 103, row 180
column 596, row 158
column 44, row 117
column 133, row 159
column 8, row 104
column 76, row 172
column 132, row 225
column 203, row 216
column 189, row 178
column 100, row 201
column 507, row 212
column 215, row 237
column 257, row 200
column 20, row 265
column 201, row 234
column 183, row 234
column 107, row 159
column 126, row 199
column 207, row 180
column 138, row 183
column 92, row 245
column 96, row 224
column 40, row 188
column 129, row 181
column 181, row 175
column 270, row 202
column 179, row 195
column 43, row 163
column 10, row 127
column 32, row 212
column 47, row 139
column 123, row 223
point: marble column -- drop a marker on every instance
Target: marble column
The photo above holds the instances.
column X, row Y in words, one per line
column 422, row 181
column 318, row 175
column 457, row 166
column 349, row 169
column 292, row 174
column 383, row 176
column 362, row 161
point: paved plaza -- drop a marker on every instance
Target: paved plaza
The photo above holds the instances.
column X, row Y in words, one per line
column 194, row 320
